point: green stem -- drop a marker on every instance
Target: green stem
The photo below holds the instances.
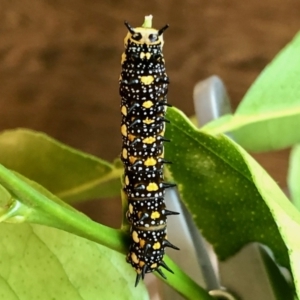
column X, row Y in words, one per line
column 183, row 284
column 47, row 212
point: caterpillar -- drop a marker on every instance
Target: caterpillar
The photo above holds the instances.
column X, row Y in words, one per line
column 143, row 90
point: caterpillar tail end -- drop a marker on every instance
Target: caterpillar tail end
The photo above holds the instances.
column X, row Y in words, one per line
column 141, row 275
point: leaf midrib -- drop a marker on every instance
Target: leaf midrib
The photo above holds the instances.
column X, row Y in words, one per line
column 115, row 173
column 241, row 120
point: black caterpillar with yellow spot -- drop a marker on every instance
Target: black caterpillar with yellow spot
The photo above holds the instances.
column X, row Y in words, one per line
column 143, row 89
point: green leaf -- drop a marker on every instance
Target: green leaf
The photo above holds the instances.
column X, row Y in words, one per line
column 286, row 216
column 38, row 262
column 232, row 199
column 269, row 114
column 294, row 175
column 30, row 202
column 70, row 174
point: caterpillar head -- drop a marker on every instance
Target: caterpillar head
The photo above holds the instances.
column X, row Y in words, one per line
column 144, row 35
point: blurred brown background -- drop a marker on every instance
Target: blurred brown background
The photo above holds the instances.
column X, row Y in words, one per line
column 60, row 61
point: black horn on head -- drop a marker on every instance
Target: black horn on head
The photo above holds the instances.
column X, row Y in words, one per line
column 161, row 31
column 130, row 29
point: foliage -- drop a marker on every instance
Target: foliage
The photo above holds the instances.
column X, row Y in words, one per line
column 50, row 250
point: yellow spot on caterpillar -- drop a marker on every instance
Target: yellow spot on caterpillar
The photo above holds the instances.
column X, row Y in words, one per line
column 123, row 58
column 150, row 162
column 124, row 110
column 142, row 243
column 141, row 263
column 149, row 140
column 135, row 236
column 148, row 121
column 147, row 79
column 124, row 153
column 148, row 104
column 155, row 215
column 126, row 180
column 152, row 186
column 153, row 266
column 130, row 208
column 147, row 55
column 134, row 258
column 132, row 159
column 131, row 137
column 124, row 130
column 156, row 245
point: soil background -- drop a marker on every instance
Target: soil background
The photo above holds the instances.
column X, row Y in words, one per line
column 60, row 63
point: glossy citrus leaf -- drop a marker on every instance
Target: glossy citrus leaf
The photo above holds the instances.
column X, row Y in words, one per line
column 269, row 114
column 68, row 173
column 285, row 214
column 38, row 262
column 228, row 194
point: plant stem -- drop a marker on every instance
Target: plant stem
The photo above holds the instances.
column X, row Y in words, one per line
column 183, row 284
column 47, row 212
